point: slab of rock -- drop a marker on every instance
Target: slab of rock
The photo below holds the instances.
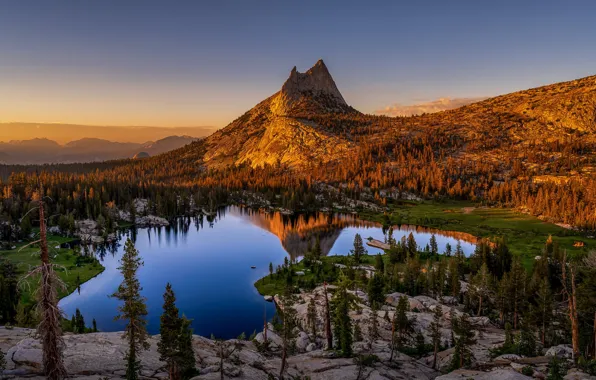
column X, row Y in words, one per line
column 562, row 351
column 576, row 374
column 151, row 221
column 393, row 300
column 499, row 374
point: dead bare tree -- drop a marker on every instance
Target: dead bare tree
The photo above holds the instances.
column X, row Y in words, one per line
column 225, row 349
column 49, row 328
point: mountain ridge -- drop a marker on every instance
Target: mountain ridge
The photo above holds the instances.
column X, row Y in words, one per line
column 276, row 129
column 90, row 149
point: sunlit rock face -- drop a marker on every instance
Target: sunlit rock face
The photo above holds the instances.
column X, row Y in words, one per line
column 280, row 129
column 314, row 91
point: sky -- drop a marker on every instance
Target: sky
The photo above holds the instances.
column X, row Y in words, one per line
column 197, row 63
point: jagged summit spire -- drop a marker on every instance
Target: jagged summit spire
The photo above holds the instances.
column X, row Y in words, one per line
column 315, row 87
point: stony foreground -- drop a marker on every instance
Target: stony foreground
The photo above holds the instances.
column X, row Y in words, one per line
column 100, row 356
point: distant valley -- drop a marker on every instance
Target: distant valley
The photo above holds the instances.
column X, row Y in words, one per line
column 43, row 150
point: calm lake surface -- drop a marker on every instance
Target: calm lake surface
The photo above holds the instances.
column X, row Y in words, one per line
column 208, row 262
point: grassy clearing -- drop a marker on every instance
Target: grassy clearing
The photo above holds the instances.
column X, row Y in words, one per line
column 70, row 267
column 525, row 234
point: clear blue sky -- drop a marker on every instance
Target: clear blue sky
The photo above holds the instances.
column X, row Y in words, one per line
column 206, row 62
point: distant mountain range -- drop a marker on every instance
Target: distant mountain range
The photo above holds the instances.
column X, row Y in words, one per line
column 63, row 133
column 42, row 150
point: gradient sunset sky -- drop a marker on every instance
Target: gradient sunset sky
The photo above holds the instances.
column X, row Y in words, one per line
column 205, row 63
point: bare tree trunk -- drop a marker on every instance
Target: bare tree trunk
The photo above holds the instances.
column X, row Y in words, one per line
column 328, row 321
column 49, row 328
column 479, row 307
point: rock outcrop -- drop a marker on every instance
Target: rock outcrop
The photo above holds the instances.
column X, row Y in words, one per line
column 283, row 129
column 101, row 356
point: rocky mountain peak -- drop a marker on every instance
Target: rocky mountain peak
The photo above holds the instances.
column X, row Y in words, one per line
column 312, row 91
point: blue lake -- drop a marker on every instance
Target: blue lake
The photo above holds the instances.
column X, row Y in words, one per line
column 208, row 262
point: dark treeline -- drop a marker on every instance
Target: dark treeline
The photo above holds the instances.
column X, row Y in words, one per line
column 388, row 158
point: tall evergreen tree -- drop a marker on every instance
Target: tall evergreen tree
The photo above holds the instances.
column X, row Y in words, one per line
column 80, row 322
column 342, row 323
column 328, row 331
column 373, row 328
column 379, row 264
column 169, row 330
column 480, row 288
column 434, row 247
column 133, row 309
column 375, row 289
column 543, row 313
column 402, row 327
column 289, row 323
column 435, row 333
column 359, row 249
column 186, row 361
column 464, row 338
column 517, row 289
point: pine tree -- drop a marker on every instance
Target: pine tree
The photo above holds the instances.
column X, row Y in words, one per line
column 464, row 338
column 186, row 361
column 402, row 326
column 94, row 326
column 169, row 330
column 480, row 287
column 357, row 332
column 289, row 322
column 311, row 318
column 359, row 249
column 373, row 329
column 80, row 322
column 543, row 313
column 435, row 333
column 454, row 284
column 527, row 340
column 328, row 331
column 342, row 322
column 379, row 264
column 411, row 245
column 555, row 371
column 133, row 309
column 517, row 289
column 375, row 289
column 317, row 252
column 434, row 248
column 448, row 250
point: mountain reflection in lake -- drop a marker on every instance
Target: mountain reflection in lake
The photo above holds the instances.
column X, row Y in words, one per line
column 208, row 261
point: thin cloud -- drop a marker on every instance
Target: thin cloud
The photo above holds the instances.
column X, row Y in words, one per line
column 438, row 105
